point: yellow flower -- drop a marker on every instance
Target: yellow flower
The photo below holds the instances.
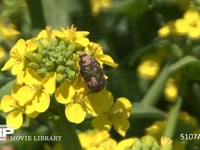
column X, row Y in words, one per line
column 30, row 98
column 15, row 110
column 8, row 32
column 100, row 102
column 166, row 143
column 96, row 140
column 37, row 90
column 73, row 96
column 164, row 31
column 52, row 58
column 171, row 90
column 97, row 52
column 146, row 142
column 17, row 53
column 113, row 114
column 47, row 33
column 189, row 24
column 156, row 129
column 148, row 68
column 98, row 5
column 73, row 36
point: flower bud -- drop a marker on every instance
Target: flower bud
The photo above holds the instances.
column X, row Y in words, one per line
column 42, row 72
column 70, row 63
column 34, row 65
column 36, row 57
column 60, row 77
column 148, row 142
column 71, row 47
column 49, row 65
column 53, row 43
column 60, row 69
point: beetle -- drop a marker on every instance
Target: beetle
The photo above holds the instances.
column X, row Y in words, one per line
column 91, row 72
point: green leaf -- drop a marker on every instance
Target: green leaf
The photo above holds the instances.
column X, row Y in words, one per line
column 7, row 88
column 130, row 7
column 140, row 110
column 142, row 116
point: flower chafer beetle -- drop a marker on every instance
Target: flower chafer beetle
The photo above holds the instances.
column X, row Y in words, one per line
column 91, row 72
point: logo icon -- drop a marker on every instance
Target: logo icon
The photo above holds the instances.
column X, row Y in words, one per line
column 4, row 131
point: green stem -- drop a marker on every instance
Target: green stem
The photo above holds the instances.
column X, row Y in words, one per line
column 156, row 89
column 154, row 92
column 143, row 50
column 67, row 130
column 172, row 119
column 182, row 62
column 36, row 13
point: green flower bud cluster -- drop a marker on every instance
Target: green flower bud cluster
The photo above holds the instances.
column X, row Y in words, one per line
column 55, row 56
column 145, row 143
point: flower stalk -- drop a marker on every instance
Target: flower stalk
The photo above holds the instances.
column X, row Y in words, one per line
column 154, row 92
column 67, row 131
column 172, row 119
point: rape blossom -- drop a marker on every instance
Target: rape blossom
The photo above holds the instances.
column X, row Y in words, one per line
column 47, row 69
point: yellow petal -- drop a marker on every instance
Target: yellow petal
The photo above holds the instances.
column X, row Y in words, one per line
column 100, row 102
column 24, row 95
column 124, row 105
column 9, row 64
column 65, row 93
column 164, row 31
column 121, row 125
column 75, row 113
column 17, row 68
column 31, row 45
column 194, row 32
column 57, row 33
column 79, row 84
column 148, row 68
column 42, row 34
column 20, row 47
column 125, row 144
column 49, row 82
column 42, row 102
column 102, row 122
column 31, row 78
column 14, row 119
column 82, row 41
column 7, row 103
column 20, row 77
column 171, row 92
column 181, row 26
column 106, row 59
column 31, row 111
column 191, row 16
column 33, row 114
